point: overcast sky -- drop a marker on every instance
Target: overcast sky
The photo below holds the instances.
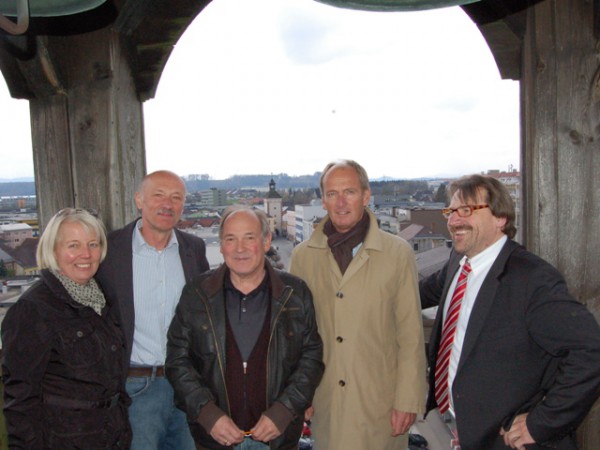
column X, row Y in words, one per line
column 285, row 86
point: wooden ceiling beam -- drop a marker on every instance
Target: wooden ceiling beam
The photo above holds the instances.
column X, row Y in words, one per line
column 151, row 28
column 502, row 25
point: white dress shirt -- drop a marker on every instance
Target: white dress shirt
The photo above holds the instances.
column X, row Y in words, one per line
column 158, row 280
column 480, row 266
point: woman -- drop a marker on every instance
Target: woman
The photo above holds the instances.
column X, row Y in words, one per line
column 64, row 367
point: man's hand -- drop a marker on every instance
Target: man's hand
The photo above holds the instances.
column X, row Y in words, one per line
column 265, row 430
column 225, row 432
column 518, row 436
column 401, row 422
column 309, row 413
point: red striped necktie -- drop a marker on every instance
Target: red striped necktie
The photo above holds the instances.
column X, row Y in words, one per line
column 448, row 331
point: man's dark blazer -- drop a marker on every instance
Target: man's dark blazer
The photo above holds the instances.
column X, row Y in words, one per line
column 527, row 339
column 115, row 274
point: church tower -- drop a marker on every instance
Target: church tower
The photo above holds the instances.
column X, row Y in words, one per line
column 273, row 204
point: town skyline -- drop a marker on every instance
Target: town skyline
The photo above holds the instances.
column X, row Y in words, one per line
column 509, row 169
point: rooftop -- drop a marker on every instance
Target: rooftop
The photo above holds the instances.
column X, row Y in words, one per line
column 15, row 227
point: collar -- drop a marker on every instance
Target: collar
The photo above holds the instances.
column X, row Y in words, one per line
column 373, row 240
column 216, row 280
column 61, row 293
column 140, row 243
column 228, row 285
column 486, row 257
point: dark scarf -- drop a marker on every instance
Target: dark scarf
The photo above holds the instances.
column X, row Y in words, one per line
column 341, row 244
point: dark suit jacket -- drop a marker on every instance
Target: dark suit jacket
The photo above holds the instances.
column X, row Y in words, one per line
column 527, row 338
column 116, row 272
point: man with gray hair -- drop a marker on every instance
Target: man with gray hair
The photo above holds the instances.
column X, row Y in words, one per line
column 243, row 354
column 366, row 297
column 148, row 263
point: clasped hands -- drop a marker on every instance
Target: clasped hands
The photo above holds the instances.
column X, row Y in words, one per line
column 226, row 432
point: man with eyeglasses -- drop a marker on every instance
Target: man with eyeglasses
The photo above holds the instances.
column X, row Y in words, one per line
column 514, row 358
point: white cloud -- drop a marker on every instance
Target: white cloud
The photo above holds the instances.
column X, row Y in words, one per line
column 16, row 157
column 273, row 86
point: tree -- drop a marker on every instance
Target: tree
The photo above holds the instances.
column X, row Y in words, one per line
column 3, row 269
column 440, row 195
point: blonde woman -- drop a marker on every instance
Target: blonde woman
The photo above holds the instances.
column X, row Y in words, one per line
column 64, row 366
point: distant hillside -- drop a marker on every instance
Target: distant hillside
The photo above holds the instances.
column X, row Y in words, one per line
column 16, row 180
column 17, row 189
column 282, row 181
column 195, row 184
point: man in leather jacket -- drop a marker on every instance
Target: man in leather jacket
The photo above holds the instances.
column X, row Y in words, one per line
column 244, row 355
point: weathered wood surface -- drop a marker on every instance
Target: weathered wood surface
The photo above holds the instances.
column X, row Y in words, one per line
column 52, row 164
column 561, row 158
column 561, row 152
column 88, row 138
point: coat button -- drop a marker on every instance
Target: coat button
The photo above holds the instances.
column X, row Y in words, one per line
column 113, row 348
column 342, row 383
column 339, row 339
column 339, row 294
column 80, row 334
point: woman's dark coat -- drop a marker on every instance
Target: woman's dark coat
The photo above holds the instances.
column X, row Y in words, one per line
column 63, row 372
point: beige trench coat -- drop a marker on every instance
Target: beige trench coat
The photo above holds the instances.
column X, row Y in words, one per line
column 374, row 352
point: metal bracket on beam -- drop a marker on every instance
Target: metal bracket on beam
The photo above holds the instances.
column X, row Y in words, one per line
column 22, row 19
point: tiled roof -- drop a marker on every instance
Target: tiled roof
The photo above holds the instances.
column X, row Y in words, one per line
column 24, row 254
column 411, row 231
column 15, row 227
column 431, row 261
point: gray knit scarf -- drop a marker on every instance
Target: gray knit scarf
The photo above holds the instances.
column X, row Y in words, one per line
column 88, row 294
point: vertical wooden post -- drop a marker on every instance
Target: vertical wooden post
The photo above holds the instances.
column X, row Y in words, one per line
column 87, row 135
column 560, row 97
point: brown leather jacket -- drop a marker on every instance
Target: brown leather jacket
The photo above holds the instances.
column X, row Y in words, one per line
column 196, row 360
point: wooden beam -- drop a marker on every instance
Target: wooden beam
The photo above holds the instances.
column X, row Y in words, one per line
column 502, row 25
column 505, row 47
column 88, row 143
column 596, row 12
column 561, row 160
column 152, row 28
column 12, row 50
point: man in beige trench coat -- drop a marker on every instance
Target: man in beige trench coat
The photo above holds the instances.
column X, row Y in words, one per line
column 364, row 283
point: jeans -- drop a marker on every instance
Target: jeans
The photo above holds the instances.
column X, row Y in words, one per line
column 155, row 421
column 251, row 444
